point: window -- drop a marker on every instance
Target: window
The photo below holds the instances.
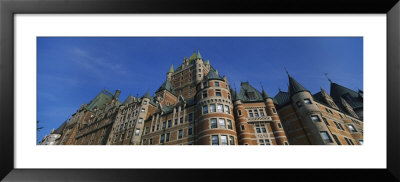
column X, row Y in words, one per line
column 144, row 142
column 217, row 84
column 176, row 121
column 267, row 142
column 264, row 130
column 190, row 117
column 341, row 116
column 315, row 118
column 279, row 125
column 231, row 140
column 182, row 107
column 205, row 84
column 140, row 120
column 325, row 121
column 261, row 142
column 298, row 103
column 151, row 141
column 144, row 102
column 204, row 94
column 286, row 143
column 327, row 110
column 229, row 123
column 351, row 127
column 169, row 123
column 137, row 132
column 242, row 127
column 168, row 134
column 227, row 109
column 336, row 139
column 214, row 139
column 239, row 112
column 164, row 124
column 213, row 108
column 255, row 112
column 190, row 131
column 205, row 109
column 325, row 137
column 361, row 142
column 341, row 127
column 307, row 101
column 213, row 123
column 162, row 138
column 152, row 128
column 218, row 93
column 262, row 113
column 274, row 110
column 220, row 108
column 348, row 141
column 158, row 126
column 251, row 113
column 181, row 120
column 251, row 95
column 258, row 130
column 142, row 110
column 199, row 75
column 224, row 140
column 221, row 123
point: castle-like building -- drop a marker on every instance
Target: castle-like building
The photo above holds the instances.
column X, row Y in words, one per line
column 196, row 106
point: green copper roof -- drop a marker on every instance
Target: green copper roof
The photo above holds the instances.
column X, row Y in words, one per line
column 207, row 62
column 60, row 129
column 171, row 69
column 167, row 86
column 212, row 74
column 198, row 55
column 282, row 98
column 147, row 94
column 295, row 87
column 265, row 94
column 102, row 98
column 248, row 93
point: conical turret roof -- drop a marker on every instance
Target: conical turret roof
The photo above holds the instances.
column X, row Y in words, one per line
column 295, row 87
column 171, row 69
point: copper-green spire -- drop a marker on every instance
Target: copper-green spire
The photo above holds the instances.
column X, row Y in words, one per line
column 216, row 71
column 171, row 69
column 207, row 62
column 198, row 55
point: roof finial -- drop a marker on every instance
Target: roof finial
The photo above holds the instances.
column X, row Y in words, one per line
column 326, row 74
column 286, row 70
column 279, row 89
column 261, row 86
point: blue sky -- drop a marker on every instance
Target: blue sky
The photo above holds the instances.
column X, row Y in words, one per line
column 73, row 70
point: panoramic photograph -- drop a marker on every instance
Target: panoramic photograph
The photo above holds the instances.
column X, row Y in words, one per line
column 199, row 91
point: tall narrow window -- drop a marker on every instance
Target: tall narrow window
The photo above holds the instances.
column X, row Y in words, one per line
column 273, row 110
column 227, row 109
column 181, row 120
column 239, row 112
column 151, row 141
column 267, row 142
column 176, row 121
column 144, row 102
column 279, row 125
column 213, row 123
column 336, row 139
column 264, row 130
column 262, row 113
column 256, row 113
column 221, row 123
column 180, row 135
column 326, row 121
column 162, row 138
column 242, row 127
column 169, row 123
column 164, row 124
column 220, row 108
column 190, row 117
column 326, row 137
column 214, row 139
column 251, row 113
column 140, row 120
column 315, row 118
column 152, row 128
column 261, row 142
column 190, row 131
column 231, row 140
column 258, row 130
column 143, row 110
column 217, row 84
column 204, row 94
column 167, row 139
column 229, row 123
column 205, row 109
column 205, row 84
column 137, row 132
column 218, row 93
column 213, row 108
column 224, row 140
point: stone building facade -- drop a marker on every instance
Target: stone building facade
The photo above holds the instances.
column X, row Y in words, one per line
column 196, row 106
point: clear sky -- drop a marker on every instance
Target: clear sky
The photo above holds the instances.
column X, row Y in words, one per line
column 73, row 70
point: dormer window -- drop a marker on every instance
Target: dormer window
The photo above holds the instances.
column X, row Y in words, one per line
column 251, row 95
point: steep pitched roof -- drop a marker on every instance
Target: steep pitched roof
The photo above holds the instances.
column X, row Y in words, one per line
column 295, row 87
column 128, row 100
column 248, row 93
column 213, row 74
column 60, row 129
column 166, row 86
column 265, row 94
column 282, row 98
column 102, row 98
column 171, row 69
column 147, row 94
column 353, row 98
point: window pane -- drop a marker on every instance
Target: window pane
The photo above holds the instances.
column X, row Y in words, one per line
column 262, row 113
column 220, row 108
column 227, row 109
column 222, row 123
column 267, row 142
column 315, row 118
column 307, row 101
column 261, row 142
column 264, row 130
column 213, row 108
column 255, row 112
column 205, row 109
column 180, row 134
column 258, row 130
column 215, row 140
column 224, row 140
column 229, row 124
column 232, row 140
column 326, row 137
column 168, row 134
column 190, row 131
column 213, row 123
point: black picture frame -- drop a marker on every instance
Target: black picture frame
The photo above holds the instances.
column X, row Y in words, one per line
column 8, row 8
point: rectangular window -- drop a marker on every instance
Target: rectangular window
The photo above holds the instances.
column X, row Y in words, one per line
column 205, row 84
column 315, row 118
column 220, row 108
column 217, row 84
column 242, row 127
column 279, row 125
column 142, row 110
column 239, row 112
column 204, row 94
column 262, row 113
column 176, row 121
column 256, row 113
column 162, row 138
column 190, row 131
column 182, row 107
column 205, row 109
column 274, row 110
column 229, row 124
column 231, row 140
column 151, row 141
column 361, row 142
column 224, row 140
column 164, row 125
column 267, row 142
column 214, row 139
column 168, row 134
column 258, row 130
column 158, row 126
column 218, row 93
column 337, row 125
column 213, row 123
column 144, row 142
column 140, row 120
column 341, row 116
column 307, row 101
column 351, row 127
column 325, row 137
column 336, row 139
column 327, row 110
column 325, row 121
column 137, row 132
column 341, row 127
column 227, row 109
column 190, row 117
column 213, row 108
column 221, row 123
column 152, row 128
column 261, row 142
column 348, row 141
column 169, row 123
column 251, row 113
column 181, row 120
column 264, row 130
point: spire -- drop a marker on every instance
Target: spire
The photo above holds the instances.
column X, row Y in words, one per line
column 147, row 94
column 264, row 93
column 171, row 69
column 295, row 87
column 216, row 71
column 207, row 62
column 213, row 74
column 326, row 74
column 198, row 56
